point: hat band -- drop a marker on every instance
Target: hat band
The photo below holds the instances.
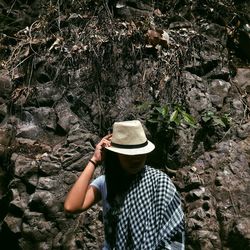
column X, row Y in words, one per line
column 129, row 146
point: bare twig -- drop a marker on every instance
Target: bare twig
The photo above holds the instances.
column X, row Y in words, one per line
column 232, row 201
column 11, row 7
column 21, row 62
column 59, row 17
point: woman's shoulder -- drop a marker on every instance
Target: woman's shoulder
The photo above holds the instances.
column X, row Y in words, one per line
column 99, row 181
column 156, row 172
column 160, row 180
column 100, row 184
column 158, row 175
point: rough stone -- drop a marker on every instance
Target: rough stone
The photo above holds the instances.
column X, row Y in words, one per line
column 24, row 166
column 46, row 94
column 3, row 111
column 197, row 100
column 240, row 235
column 49, row 167
column 42, row 201
column 19, row 202
column 36, row 227
column 66, row 118
column 13, row 223
column 45, row 117
column 6, row 135
column 218, row 204
column 218, row 91
column 29, row 130
column 69, row 178
column 47, row 183
column 242, row 78
column 5, row 84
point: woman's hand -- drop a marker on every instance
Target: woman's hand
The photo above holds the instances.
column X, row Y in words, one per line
column 98, row 154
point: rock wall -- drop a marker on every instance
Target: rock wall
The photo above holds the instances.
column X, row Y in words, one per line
column 77, row 68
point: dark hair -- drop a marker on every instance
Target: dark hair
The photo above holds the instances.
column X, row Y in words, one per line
column 117, row 180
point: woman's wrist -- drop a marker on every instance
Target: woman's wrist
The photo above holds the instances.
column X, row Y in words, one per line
column 94, row 162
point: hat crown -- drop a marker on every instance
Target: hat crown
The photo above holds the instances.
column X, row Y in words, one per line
column 128, row 133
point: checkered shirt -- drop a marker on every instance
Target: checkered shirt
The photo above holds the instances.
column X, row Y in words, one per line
column 151, row 216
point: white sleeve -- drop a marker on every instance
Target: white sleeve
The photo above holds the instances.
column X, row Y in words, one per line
column 99, row 183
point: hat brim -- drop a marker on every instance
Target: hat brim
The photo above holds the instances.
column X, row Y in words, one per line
column 133, row 151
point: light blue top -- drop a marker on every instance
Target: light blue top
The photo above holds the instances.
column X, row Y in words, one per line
column 100, row 184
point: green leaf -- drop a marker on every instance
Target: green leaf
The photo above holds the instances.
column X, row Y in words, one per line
column 218, row 121
column 226, row 119
column 164, row 111
column 174, row 115
column 209, row 113
column 189, row 119
column 206, row 118
column 177, row 121
column 153, row 121
column 159, row 109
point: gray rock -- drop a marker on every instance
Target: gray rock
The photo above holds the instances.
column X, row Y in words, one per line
column 7, row 134
column 227, row 167
column 69, row 178
column 45, row 117
column 79, row 137
column 32, row 180
column 242, row 78
column 49, row 167
column 132, row 9
column 42, row 201
column 24, row 166
column 76, row 155
column 79, row 164
column 3, row 111
column 194, row 224
column 29, row 130
column 218, row 91
column 197, row 100
column 197, row 193
column 215, row 31
column 47, row 183
column 13, row 223
column 36, row 227
column 5, row 84
column 198, row 214
column 19, row 202
column 240, row 234
column 46, row 94
column 66, row 118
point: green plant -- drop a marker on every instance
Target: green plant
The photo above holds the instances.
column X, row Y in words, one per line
column 163, row 123
column 209, row 118
column 169, row 119
column 212, row 129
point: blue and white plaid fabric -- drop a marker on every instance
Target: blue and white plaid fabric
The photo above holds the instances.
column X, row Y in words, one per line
column 152, row 217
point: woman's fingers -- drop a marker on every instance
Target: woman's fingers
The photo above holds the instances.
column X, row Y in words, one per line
column 107, row 136
column 105, row 142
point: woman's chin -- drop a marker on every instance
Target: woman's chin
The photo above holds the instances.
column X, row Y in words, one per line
column 133, row 170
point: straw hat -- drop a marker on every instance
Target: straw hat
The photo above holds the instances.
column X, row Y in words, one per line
column 129, row 138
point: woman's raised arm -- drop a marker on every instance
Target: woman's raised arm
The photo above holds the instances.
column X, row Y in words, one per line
column 82, row 196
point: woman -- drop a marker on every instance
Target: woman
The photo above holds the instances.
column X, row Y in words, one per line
column 141, row 207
